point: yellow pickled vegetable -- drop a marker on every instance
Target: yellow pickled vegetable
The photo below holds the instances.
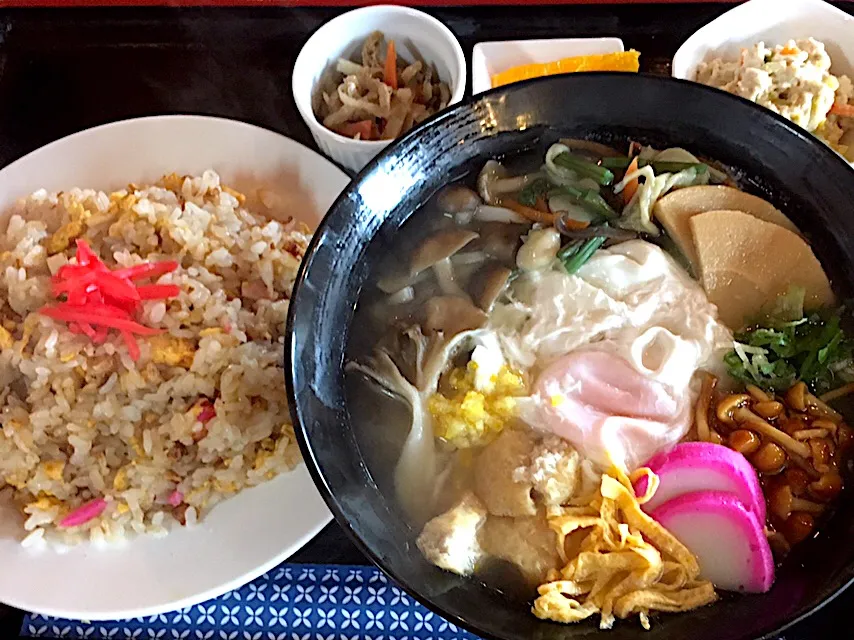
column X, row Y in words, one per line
column 623, row 61
column 469, row 416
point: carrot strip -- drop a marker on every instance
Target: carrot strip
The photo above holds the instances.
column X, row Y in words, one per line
column 572, row 223
column 364, row 129
column 390, row 71
column 530, row 213
column 631, row 188
column 844, row 110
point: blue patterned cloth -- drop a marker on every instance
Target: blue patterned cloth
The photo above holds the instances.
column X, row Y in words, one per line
column 291, row 602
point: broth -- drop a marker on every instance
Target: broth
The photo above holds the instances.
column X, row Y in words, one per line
column 510, row 283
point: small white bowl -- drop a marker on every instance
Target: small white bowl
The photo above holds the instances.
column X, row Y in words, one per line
column 489, row 58
column 342, row 37
column 774, row 22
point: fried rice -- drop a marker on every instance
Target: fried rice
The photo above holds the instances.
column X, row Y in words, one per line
column 84, row 422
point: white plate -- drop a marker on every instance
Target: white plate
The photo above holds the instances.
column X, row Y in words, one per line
column 489, row 58
column 245, row 536
column 774, row 22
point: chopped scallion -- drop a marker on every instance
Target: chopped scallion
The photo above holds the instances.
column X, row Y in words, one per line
column 576, row 254
column 586, row 169
column 658, row 167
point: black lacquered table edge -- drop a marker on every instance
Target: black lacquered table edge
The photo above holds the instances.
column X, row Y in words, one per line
column 64, row 70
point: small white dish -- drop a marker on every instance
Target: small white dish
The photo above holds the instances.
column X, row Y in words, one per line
column 774, row 22
column 253, row 531
column 415, row 33
column 489, row 58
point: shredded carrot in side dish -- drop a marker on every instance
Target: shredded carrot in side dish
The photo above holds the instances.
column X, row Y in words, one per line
column 390, row 72
column 844, row 110
column 364, row 129
column 94, row 299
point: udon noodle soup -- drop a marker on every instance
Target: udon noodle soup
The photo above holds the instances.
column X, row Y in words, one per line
column 611, row 378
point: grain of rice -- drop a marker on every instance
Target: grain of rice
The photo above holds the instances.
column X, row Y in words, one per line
column 34, row 539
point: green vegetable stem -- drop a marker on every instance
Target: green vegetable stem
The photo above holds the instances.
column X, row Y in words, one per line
column 582, row 167
column 576, row 254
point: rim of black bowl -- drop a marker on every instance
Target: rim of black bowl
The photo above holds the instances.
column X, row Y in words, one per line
column 306, row 448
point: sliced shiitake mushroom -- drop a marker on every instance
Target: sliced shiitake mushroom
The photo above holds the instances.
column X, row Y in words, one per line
column 494, row 182
column 488, row 284
column 457, row 198
column 491, row 173
column 500, row 240
column 435, row 249
column 451, row 315
column 438, row 247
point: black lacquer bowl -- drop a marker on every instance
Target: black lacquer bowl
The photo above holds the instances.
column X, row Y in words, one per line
column 800, row 175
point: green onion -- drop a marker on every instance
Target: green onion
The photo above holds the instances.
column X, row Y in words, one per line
column 814, row 349
column 568, row 250
column 595, row 203
column 658, row 167
column 589, row 200
column 616, row 163
column 676, row 167
column 576, row 254
column 584, row 168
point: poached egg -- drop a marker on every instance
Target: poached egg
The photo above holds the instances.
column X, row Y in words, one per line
column 612, row 351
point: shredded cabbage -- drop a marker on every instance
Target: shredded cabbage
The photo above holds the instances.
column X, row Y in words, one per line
column 637, row 215
column 789, row 307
